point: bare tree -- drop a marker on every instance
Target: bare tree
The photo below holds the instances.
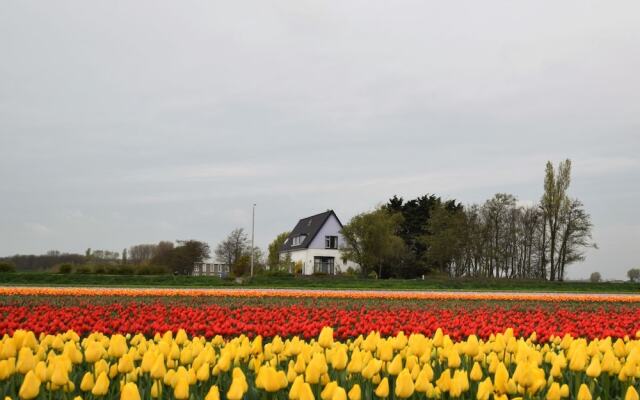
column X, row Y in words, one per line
column 233, row 247
column 141, row 253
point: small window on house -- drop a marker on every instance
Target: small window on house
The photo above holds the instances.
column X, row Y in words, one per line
column 297, row 241
column 330, row 242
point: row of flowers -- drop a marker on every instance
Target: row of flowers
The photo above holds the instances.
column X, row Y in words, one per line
column 177, row 366
column 307, row 321
column 337, row 294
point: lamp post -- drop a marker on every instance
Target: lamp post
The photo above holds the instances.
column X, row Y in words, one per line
column 253, row 223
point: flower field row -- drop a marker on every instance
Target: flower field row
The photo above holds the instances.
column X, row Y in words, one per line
column 307, row 321
column 169, row 366
column 336, row 294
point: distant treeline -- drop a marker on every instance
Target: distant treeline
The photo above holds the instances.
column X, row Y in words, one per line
column 143, row 259
column 496, row 239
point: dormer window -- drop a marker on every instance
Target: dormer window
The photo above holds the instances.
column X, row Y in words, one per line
column 297, row 240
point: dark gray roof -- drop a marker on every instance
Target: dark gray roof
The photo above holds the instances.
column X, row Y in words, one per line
column 310, row 227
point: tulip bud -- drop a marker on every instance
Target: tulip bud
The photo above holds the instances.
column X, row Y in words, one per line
column 584, row 393
column 130, row 392
column 213, row 394
column 383, row 389
column 101, row 386
column 404, row 384
column 355, row 393
column 30, row 386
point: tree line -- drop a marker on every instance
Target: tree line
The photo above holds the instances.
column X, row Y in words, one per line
column 496, row 239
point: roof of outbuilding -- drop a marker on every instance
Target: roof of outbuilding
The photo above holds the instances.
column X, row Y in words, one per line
column 309, row 226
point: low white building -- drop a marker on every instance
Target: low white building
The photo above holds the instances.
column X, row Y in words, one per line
column 210, row 268
column 315, row 242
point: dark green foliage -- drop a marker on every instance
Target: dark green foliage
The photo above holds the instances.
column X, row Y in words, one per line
column 42, row 262
column 65, row 268
column 7, row 267
column 414, row 229
column 241, row 266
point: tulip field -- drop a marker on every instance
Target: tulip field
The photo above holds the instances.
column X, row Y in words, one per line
column 237, row 344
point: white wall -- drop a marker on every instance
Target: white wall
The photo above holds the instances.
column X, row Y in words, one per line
column 307, row 258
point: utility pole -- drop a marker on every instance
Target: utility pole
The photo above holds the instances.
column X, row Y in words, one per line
column 253, row 223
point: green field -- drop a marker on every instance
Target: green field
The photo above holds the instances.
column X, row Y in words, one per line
column 311, row 282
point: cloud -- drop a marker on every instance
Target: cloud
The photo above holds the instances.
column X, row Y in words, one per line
column 200, row 172
column 37, row 228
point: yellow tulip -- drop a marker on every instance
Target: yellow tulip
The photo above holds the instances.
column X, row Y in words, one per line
column 101, row 386
column 476, row 372
column 158, row 371
column 60, row 375
column 181, row 389
column 485, row 389
column 125, row 364
column 554, row 392
column 156, row 389
column 305, row 392
column 235, row 390
column 296, row 386
column 584, row 393
column 339, row 394
column 453, row 358
column 501, row 379
column 631, row 394
column 579, row 360
column 30, row 386
column 340, row 358
column 26, row 360
column 564, row 391
column 204, row 372
column 355, row 393
column 327, row 392
column 383, row 389
column 87, row 382
column 395, row 366
column 130, row 392
column 117, row 346
column 594, row 369
column 472, row 346
column 326, row 337
column 444, row 381
column 385, row 350
column 213, row 394
column 404, row 384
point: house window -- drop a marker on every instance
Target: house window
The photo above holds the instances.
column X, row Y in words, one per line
column 297, row 241
column 330, row 242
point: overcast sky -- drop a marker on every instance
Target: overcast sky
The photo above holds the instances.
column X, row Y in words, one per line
column 125, row 122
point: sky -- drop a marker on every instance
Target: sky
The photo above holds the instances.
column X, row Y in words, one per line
column 133, row 122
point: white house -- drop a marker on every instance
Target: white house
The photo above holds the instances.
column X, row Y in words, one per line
column 315, row 242
column 210, row 268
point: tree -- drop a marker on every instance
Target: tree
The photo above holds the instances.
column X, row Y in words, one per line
column 446, row 240
column 7, row 267
column 553, row 202
column 124, row 256
column 595, row 277
column 273, row 259
column 575, row 236
column 142, row 253
column 186, row 254
column 241, row 265
column 634, row 274
column 162, row 254
column 372, row 241
column 233, row 247
column 416, row 214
